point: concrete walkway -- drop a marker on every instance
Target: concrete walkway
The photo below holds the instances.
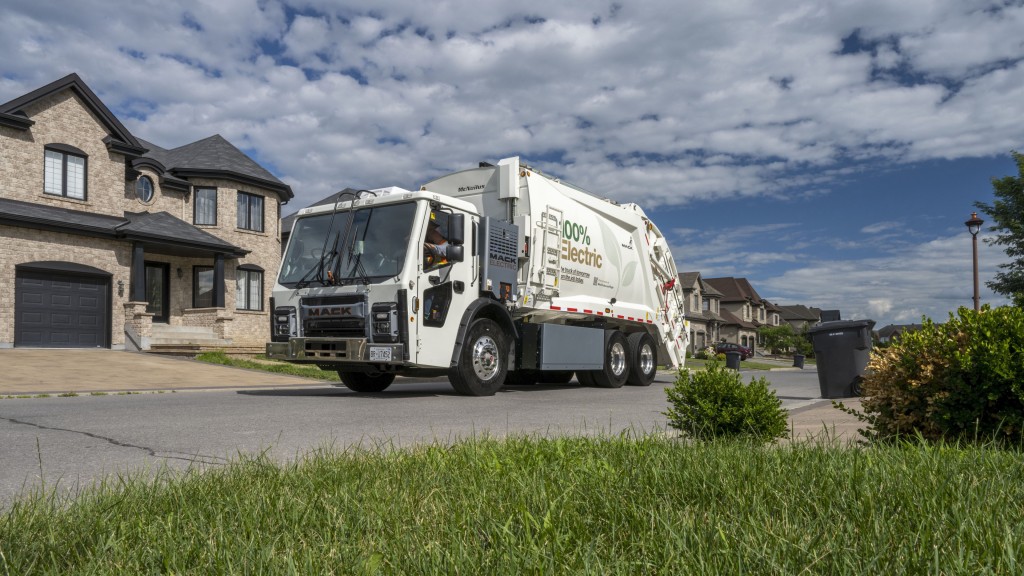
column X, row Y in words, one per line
column 64, row 370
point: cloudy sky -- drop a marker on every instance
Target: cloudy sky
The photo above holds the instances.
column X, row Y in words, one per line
column 829, row 152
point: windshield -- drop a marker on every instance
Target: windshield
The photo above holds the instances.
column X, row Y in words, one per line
column 368, row 245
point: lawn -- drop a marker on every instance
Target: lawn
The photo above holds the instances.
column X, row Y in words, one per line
column 530, row 505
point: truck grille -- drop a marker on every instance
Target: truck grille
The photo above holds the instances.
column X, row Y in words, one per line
column 334, row 316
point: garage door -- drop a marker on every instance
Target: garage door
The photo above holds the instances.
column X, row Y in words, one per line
column 54, row 310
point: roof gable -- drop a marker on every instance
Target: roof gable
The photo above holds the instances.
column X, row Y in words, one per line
column 120, row 139
column 211, row 157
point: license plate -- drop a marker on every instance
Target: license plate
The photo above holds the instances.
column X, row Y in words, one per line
column 380, row 354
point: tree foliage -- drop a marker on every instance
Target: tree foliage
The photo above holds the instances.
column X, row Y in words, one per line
column 778, row 338
column 1007, row 217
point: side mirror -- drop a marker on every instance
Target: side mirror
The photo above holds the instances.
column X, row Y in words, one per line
column 456, row 230
column 456, row 252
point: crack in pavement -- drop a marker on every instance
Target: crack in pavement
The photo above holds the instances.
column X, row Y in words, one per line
column 195, row 458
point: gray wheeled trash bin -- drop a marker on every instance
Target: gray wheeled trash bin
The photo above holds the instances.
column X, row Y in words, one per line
column 732, row 360
column 841, row 349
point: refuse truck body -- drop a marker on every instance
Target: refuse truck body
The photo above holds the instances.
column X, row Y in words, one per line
column 537, row 280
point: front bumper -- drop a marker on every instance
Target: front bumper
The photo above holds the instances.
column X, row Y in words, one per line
column 336, row 350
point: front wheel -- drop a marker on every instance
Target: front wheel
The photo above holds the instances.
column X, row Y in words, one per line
column 616, row 363
column 482, row 363
column 365, row 381
column 644, row 357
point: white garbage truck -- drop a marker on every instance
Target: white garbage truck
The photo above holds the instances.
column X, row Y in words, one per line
column 496, row 275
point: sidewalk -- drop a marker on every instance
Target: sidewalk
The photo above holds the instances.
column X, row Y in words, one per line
column 822, row 421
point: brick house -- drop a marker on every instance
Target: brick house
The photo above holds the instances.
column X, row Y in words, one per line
column 109, row 241
column 701, row 308
column 743, row 310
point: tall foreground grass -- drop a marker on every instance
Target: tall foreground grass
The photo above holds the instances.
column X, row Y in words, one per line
column 547, row 506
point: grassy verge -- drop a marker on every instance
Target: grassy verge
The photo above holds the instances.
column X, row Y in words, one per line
column 699, row 364
column 547, row 506
column 302, row 370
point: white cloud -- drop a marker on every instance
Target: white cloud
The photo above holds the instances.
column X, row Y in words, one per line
column 662, row 103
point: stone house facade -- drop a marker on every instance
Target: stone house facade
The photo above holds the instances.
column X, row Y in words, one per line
column 702, row 305
column 106, row 238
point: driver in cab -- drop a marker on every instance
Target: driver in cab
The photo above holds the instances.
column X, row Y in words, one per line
column 435, row 246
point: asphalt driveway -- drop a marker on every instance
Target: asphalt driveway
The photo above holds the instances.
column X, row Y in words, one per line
column 56, row 371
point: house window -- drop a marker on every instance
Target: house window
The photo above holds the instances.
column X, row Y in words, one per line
column 202, row 287
column 144, row 189
column 64, row 171
column 696, row 299
column 206, row 207
column 249, row 288
column 706, row 305
column 250, row 212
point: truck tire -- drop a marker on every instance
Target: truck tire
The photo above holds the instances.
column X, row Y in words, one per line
column 365, row 381
column 643, row 355
column 616, row 363
column 482, row 363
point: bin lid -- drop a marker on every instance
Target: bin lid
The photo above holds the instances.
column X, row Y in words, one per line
column 837, row 325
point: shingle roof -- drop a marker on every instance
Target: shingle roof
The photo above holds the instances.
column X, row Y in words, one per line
column 18, row 212
column 688, row 279
column 160, row 228
column 121, row 140
column 798, row 312
column 730, row 318
column 214, row 156
column 734, row 289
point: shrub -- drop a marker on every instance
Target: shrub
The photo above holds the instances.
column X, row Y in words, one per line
column 962, row 380
column 715, row 403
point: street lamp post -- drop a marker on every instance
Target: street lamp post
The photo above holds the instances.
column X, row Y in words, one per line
column 974, row 226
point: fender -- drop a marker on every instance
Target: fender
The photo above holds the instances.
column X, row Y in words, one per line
column 485, row 308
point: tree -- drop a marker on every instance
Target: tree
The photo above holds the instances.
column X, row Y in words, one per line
column 1007, row 214
column 777, row 338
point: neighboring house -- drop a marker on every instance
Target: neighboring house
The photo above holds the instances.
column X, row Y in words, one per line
column 800, row 317
column 109, row 240
column 742, row 309
column 893, row 332
column 701, row 309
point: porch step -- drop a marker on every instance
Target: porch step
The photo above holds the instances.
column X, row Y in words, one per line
column 185, row 336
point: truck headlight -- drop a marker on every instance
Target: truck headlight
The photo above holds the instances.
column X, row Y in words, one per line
column 283, row 323
column 384, row 318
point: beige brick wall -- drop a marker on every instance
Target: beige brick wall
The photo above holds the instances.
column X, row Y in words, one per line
column 61, row 119
column 22, row 245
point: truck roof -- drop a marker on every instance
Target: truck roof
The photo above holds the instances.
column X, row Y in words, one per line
column 389, row 195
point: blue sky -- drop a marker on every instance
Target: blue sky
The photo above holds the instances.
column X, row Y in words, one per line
column 829, row 152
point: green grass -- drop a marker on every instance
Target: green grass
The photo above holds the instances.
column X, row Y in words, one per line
column 302, row 370
column 648, row 505
column 699, row 364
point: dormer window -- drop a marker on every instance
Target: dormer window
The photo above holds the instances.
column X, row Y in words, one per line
column 144, row 189
column 64, row 171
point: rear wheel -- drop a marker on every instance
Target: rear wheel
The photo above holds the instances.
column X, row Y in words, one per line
column 366, row 381
column 616, row 363
column 482, row 363
column 644, row 357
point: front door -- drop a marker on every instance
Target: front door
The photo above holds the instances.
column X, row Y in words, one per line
column 157, row 294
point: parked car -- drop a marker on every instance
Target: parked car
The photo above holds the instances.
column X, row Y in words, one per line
column 723, row 347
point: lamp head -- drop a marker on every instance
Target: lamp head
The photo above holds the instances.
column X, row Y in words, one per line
column 974, row 224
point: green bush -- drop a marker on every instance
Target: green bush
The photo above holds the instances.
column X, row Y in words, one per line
column 962, row 380
column 715, row 403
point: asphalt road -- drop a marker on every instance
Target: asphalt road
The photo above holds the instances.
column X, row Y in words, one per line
column 69, row 442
